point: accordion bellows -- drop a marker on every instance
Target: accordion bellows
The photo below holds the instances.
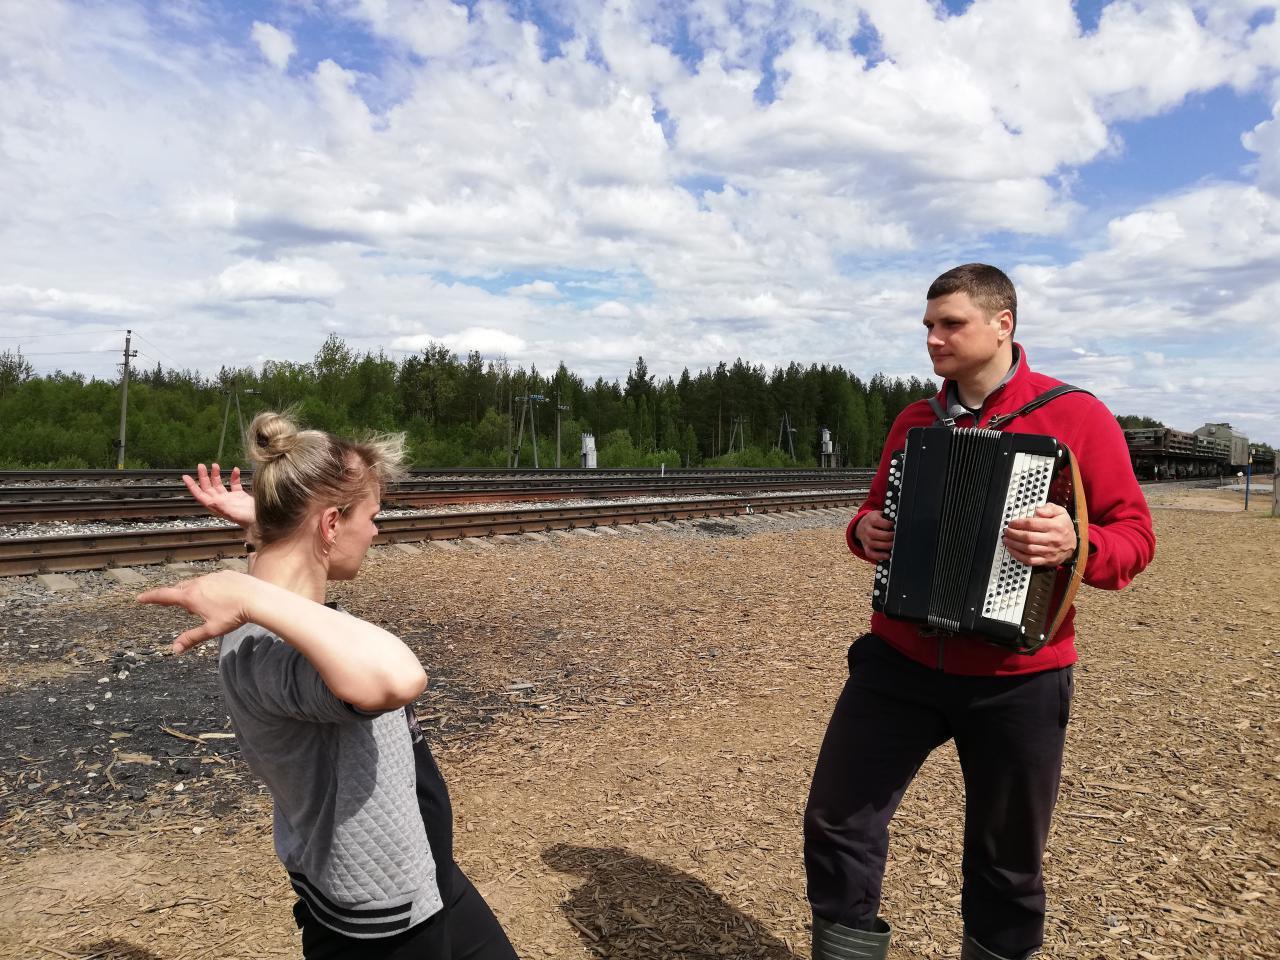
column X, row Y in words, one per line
column 951, row 493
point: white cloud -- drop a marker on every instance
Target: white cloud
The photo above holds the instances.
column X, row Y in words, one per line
column 487, row 341
column 1264, row 140
column 611, row 310
column 1178, row 251
column 276, row 45
column 299, row 278
column 536, row 288
column 71, row 304
column 431, row 28
column 781, row 197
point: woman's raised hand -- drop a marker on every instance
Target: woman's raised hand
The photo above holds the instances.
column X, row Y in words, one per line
column 220, row 599
column 232, row 504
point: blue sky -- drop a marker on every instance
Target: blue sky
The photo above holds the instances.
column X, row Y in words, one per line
column 693, row 182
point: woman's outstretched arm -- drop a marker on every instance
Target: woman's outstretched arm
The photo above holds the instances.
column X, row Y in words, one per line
column 362, row 664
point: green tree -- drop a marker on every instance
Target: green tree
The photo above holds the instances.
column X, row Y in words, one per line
column 876, row 427
column 14, row 369
column 1130, row 421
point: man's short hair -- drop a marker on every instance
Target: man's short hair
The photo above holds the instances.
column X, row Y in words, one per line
column 987, row 287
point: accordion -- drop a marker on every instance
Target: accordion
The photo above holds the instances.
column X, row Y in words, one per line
column 951, row 493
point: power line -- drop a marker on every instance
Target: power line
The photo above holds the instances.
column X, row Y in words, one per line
column 157, row 349
column 71, row 333
column 66, row 353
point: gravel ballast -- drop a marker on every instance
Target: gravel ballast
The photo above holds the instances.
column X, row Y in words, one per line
column 628, row 725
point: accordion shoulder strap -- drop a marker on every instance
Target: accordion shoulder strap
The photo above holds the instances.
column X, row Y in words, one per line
column 940, row 413
column 998, row 421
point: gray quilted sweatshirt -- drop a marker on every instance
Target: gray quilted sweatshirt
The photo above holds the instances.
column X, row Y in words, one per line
column 347, row 823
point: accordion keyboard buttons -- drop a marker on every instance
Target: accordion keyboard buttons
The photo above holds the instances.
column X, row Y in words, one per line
column 889, row 511
column 1007, row 586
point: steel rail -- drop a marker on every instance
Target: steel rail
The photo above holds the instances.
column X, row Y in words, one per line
column 73, row 511
column 25, row 556
column 173, row 475
column 155, row 491
column 121, row 491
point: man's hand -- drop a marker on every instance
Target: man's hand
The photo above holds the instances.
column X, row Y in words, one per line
column 1044, row 540
column 875, row 533
column 233, row 504
column 220, row 599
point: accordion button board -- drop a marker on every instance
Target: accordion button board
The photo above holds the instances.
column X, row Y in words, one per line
column 950, row 495
column 1007, row 585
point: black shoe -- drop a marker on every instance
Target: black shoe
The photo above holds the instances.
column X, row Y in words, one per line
column 831, row 941
column 973, row 950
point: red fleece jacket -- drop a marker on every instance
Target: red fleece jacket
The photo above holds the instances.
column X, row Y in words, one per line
column 1121, row 541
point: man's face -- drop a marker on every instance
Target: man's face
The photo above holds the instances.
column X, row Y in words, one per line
column 962, row 339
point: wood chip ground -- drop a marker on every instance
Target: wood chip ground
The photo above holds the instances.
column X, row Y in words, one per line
column 628, row 726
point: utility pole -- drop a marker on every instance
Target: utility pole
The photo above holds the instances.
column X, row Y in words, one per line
column 533, row 426
column 527, row 410
column 510, row 413
column 515, row 461
column 559, row 407
column 239, row 418
column 226, row 412
column 785, row 428
column 124, row 397
column 738, row 431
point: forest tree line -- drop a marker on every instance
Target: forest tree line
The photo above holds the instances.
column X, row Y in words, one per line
column 456, row 411
column 465, row 413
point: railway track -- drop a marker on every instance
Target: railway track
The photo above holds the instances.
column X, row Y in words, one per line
column 67, row 490
column 151, row 502
column 26, row 556
column 172, row 476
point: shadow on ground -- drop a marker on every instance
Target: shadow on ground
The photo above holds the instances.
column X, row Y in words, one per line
column 117, row 950
column 631, row 908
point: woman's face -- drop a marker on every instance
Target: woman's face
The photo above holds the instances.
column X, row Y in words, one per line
column 353, row 535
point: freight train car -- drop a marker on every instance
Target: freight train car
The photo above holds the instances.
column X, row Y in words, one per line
column 1238, row 452
column 1162, row 453
column 1264, row 460
column 1214, row 450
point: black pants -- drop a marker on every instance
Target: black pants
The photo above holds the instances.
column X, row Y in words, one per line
column 1009, row 734
column 465, row 929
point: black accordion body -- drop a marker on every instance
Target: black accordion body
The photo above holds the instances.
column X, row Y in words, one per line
column 951, row 493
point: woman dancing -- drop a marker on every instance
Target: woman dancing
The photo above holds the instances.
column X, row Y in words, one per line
column 320, row 702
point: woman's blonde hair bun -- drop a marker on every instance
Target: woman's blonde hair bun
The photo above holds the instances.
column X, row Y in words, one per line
column 295, row 469
column 271, row 436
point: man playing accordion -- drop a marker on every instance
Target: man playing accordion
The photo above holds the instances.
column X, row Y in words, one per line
column 912, row 687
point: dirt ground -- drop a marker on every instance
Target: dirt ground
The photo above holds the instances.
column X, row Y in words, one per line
column 628, row 724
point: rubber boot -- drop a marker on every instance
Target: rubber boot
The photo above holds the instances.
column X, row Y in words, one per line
column 831, row 941
column 973, row 950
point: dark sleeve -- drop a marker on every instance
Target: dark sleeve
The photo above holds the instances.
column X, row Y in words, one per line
column 273, row 679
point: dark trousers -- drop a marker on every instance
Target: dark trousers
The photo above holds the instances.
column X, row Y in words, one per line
column 1009, row 734
column 465, row 929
